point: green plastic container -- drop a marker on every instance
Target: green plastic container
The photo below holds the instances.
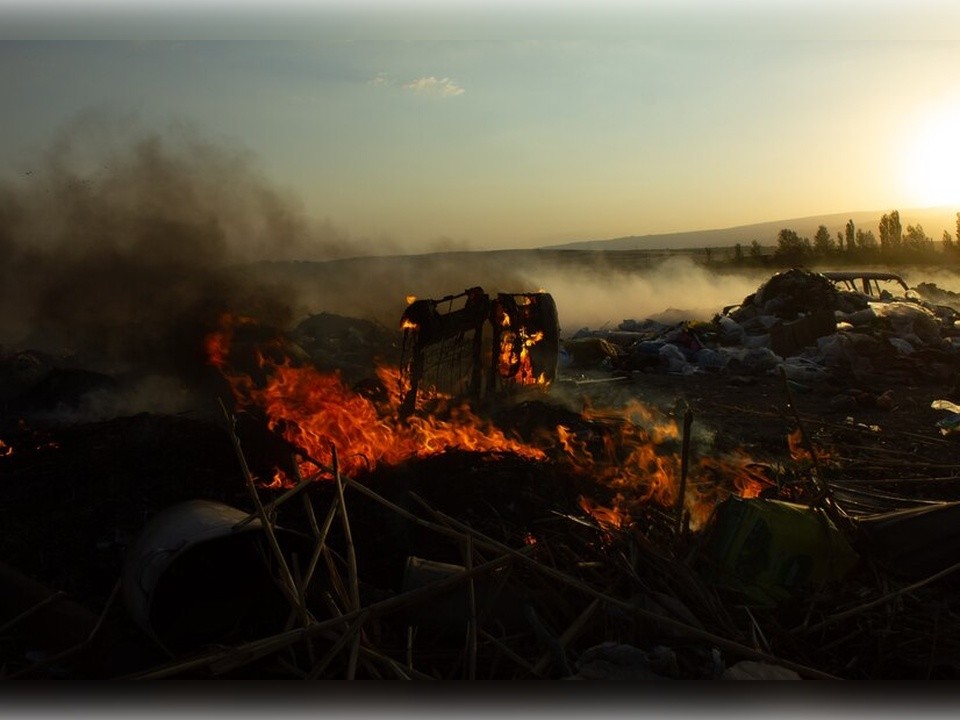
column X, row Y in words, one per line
column 771, row 550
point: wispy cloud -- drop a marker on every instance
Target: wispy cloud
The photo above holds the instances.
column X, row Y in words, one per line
column 379, row 79
column 430, row 85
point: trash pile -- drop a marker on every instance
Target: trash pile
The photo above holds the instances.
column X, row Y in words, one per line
column 160, row 546
column 798, row 322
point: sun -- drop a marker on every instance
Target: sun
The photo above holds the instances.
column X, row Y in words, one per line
column 932, row 162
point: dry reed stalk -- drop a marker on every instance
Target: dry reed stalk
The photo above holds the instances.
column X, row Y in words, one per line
column 349, row 633
column 508, row 652
column 31, row 610
column 471, row 646
column 287, row 585
column 881, row 600
column 556, row 651
column 348, row 536
column 568, row 635
column 351, row 561
column 723, row 643
column 321, row 537
column 336, row 580
column 301, row 588
column 271, row 507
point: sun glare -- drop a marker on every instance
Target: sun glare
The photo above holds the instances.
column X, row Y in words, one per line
column 932, row 167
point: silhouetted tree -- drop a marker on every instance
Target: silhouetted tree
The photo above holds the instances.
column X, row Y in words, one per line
column 916, row 239
column 791, row 248
column 891, row 234
column 840, row 240
column 738, row 253
column 866, row 240
column 823, row 243
column 851, row 234
column 756, row 250
column 948, row 244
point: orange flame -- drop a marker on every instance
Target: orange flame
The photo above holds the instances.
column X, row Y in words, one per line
column 799, row 452
column 632, row 452
column 518, row 365
column 5, row 450
column 316, row 411
column 612, row 518
column 641, row 463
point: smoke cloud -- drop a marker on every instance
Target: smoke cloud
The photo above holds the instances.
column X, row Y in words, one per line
column 590, row 291
column 124, row 247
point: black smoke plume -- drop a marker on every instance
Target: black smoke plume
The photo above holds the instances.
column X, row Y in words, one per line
column 124, row 247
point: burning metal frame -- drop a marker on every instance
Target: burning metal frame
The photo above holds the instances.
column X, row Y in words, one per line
column 472, row 345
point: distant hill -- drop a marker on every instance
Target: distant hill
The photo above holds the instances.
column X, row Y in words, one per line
column 933, row 220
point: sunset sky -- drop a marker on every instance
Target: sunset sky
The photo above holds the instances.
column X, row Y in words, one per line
column 468, row 124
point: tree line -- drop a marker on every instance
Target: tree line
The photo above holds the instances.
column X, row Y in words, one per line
column 891, row 245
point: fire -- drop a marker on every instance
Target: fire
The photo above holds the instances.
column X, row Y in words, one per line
column 631, row 454
column 315, row 411
column 795, row 442
column 217, row 344
column 511, row 358
column 607, row 517
column 514, row 356
column 5, row 450
column 635, row 454
column 799, row 452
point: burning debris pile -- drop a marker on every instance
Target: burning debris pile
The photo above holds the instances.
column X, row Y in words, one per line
column 456, row 499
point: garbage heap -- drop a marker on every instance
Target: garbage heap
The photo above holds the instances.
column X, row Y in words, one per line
column 797, row 320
